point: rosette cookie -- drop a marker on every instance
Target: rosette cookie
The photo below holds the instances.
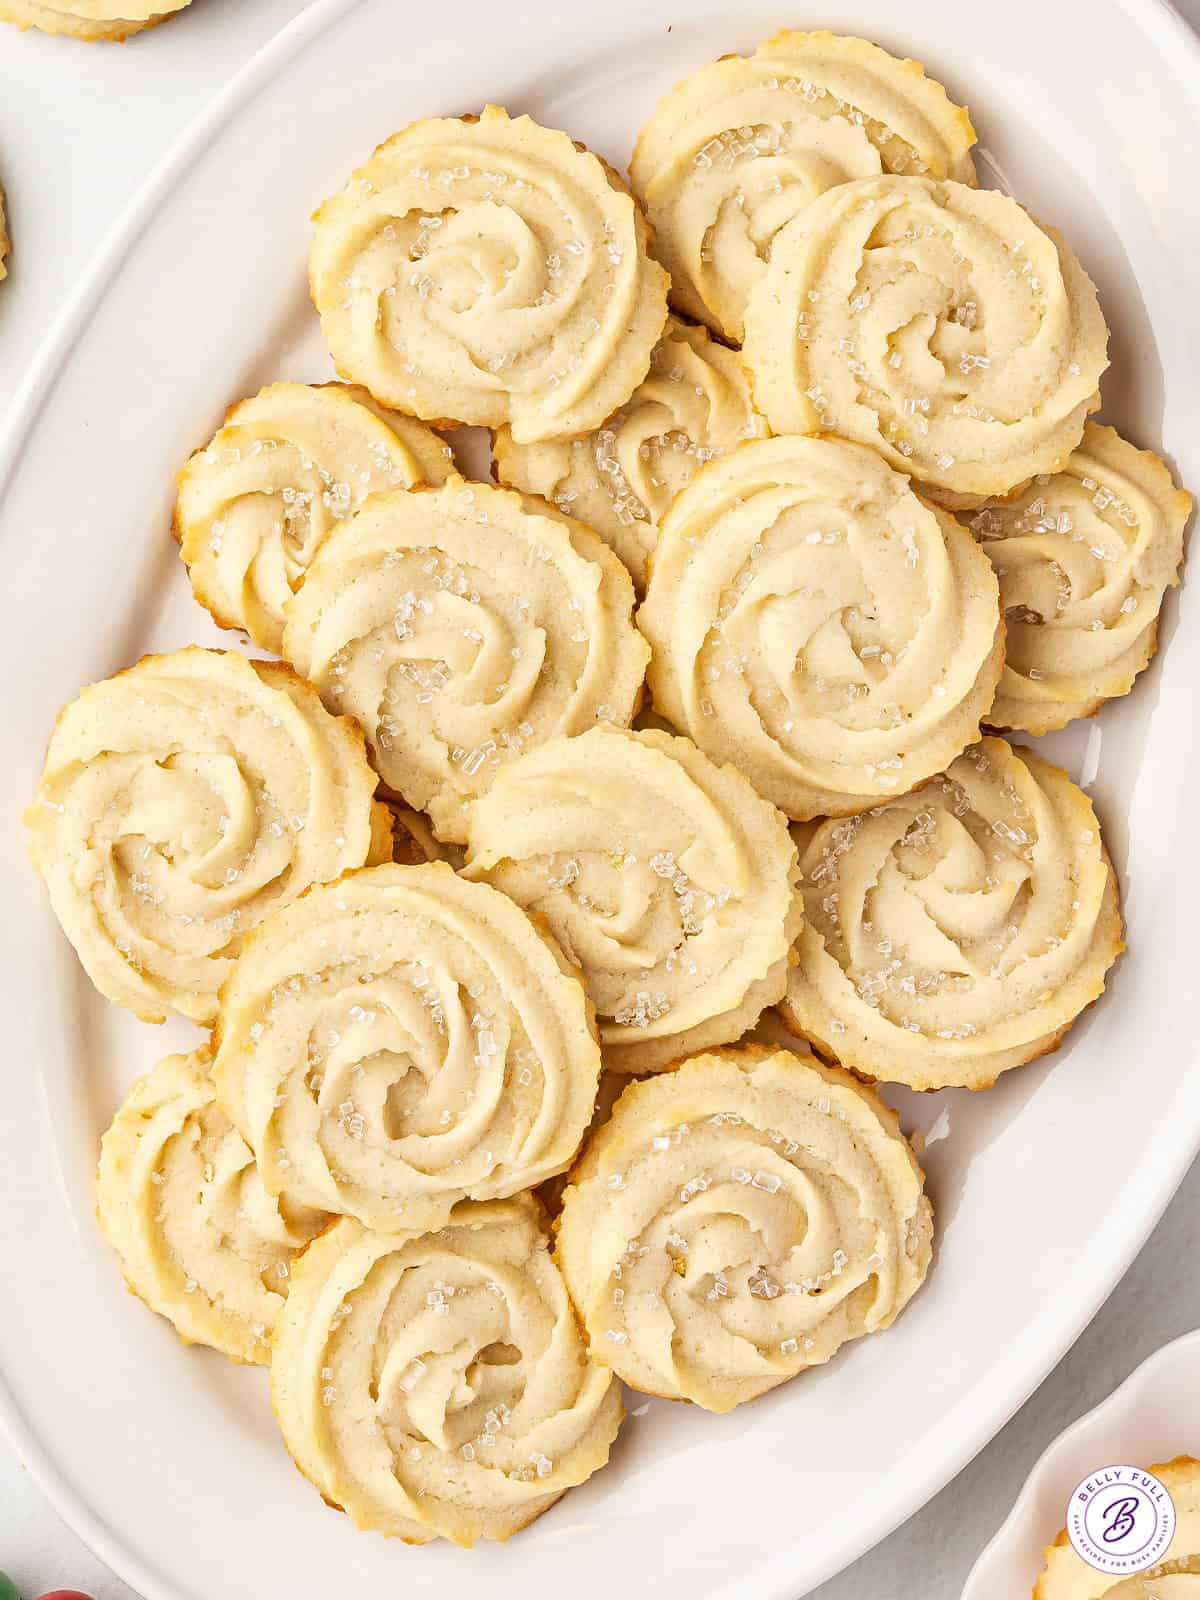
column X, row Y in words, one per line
column 256, row 504
column 738, row 1220
column 936, row 323
column 181, row 1201
column 819, row 626
column 1068, row 1577
column 401, row 1039
column 667, row 878
column 488, row 270
column 694, row 405
column 437, row 1384
column 181, row 802
column 1174, row 1580
column 958, row 931
column 90, row 19
column 1084, row 558
column 461, row 626
column 739, row 149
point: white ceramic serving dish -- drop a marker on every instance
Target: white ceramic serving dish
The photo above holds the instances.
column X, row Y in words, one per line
column 165, row 1459
column 1153, row 1417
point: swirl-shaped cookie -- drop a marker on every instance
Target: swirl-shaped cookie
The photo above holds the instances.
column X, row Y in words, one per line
column 90, row 19
column 667, row 878
column 1068, row 1577
column 693, row 405
column 401, row 1039
column 488, row 270
column 1084, row 558
column 936, row 323
column 743, row 146
column 256, row 504
column 181, row 1201
column 739, row 1219
column 181, row 802
column 460, row 626
column 437, row 1384
column 958, row 931
column 1174, row 1580
column 819, row 626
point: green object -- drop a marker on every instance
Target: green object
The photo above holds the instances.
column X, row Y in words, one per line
column 8, row 1589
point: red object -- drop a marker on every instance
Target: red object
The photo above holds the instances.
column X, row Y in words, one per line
column 65, row 1594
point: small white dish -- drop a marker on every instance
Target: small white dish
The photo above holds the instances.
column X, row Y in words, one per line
column 1153, row 1417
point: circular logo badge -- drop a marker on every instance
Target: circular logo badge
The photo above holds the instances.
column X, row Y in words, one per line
column 1121, row 1520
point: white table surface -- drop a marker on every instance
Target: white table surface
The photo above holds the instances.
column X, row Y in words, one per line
column 80, row 126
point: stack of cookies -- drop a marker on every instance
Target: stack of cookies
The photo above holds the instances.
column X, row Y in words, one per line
column 583, row 806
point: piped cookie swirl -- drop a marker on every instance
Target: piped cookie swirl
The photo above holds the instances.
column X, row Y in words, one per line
column 958, row 931
column 936, row 323
column 403, row 1039
column 437, row 1384
column 734, row 152
column 666, row 877
column 488, row 270
column 461, row 626
column 182, row 1202
column 181, row 802
column 258, row 501
column 819, row 626
column 739, row 1219
column 1084, row 557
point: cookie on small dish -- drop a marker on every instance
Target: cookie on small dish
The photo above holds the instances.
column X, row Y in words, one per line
column 1174, row 1580
column 1068, row 1577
